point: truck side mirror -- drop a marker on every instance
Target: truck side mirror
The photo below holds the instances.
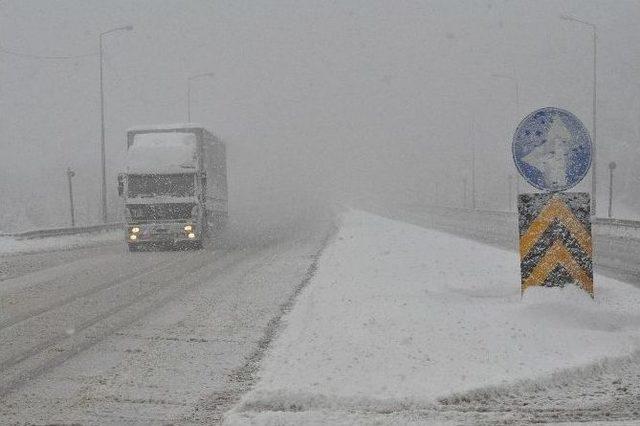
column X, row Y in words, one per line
column 120, row 184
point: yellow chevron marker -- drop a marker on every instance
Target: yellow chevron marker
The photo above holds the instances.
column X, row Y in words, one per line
column 555, row 239
column 555, row 209
column 558, row 255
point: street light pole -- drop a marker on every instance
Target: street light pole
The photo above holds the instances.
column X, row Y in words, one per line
column 473, row 166
column 594, row 108
column 595, row 85
column 193, row 77
column 102, row 144
column 464, row 193
column 70, row 174
column 612, row 166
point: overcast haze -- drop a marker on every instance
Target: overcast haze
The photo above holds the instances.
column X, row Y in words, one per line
column 317, row 101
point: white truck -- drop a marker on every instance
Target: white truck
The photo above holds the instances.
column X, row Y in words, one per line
column 174, row 186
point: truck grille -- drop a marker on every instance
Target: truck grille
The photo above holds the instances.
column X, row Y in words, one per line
column 153, row 212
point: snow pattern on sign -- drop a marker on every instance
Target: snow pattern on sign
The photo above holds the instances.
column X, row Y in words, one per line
column 552, row 157
column 552, row 149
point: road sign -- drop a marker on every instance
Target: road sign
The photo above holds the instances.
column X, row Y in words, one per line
column 555, row 240
column 552, row 149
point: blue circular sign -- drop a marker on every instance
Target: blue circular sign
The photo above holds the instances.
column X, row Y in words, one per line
column 552, row 149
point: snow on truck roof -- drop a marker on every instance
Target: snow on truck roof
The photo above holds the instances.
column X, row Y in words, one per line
column 173, row 152
column 177, row 126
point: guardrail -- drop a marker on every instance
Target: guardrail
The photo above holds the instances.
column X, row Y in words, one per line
column 54, row 232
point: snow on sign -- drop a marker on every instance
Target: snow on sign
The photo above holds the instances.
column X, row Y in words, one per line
column 552, row 149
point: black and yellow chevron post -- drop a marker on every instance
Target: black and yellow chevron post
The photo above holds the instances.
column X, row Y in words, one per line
column 555, row 240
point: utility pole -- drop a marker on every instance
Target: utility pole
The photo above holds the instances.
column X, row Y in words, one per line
column 102, row 144
column 594, row 107
column 70, row 174
column 612, row 166
column 193, row 77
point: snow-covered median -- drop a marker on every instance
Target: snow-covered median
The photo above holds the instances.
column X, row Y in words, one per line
column 10, row 245
column 398, row 316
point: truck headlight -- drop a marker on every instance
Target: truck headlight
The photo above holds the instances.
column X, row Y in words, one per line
column 133, row 237
column 135, row 229
column 191, row 235
column 188, row 228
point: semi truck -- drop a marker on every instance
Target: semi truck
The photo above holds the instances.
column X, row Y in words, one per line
column 174, row 186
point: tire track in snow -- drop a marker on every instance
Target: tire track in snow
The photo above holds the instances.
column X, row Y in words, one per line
column 83, row 294
column 240, row 380
column 37, row 360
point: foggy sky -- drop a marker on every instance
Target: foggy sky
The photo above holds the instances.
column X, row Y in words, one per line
column 317, row 101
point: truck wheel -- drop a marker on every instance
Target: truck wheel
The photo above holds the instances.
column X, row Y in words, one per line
column 133, row 248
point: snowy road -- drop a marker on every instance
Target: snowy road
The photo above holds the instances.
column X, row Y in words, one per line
column 98, row 335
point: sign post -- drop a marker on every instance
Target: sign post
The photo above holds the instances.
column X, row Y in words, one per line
column 552, row 151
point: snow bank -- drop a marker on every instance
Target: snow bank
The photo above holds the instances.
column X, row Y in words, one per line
column 9, row 245
column 398, row 316
column 162, row 153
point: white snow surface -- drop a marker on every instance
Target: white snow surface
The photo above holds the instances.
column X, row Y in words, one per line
column 173, row 126
column 397, row 316
column 162, row 153
column 10, row 245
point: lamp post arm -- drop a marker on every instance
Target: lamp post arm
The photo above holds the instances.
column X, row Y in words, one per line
column 123, row 28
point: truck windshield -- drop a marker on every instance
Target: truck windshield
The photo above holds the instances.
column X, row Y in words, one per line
column 175, row 185
column 146, row 212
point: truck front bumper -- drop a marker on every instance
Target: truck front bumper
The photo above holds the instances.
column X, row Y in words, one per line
column 143, row 233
